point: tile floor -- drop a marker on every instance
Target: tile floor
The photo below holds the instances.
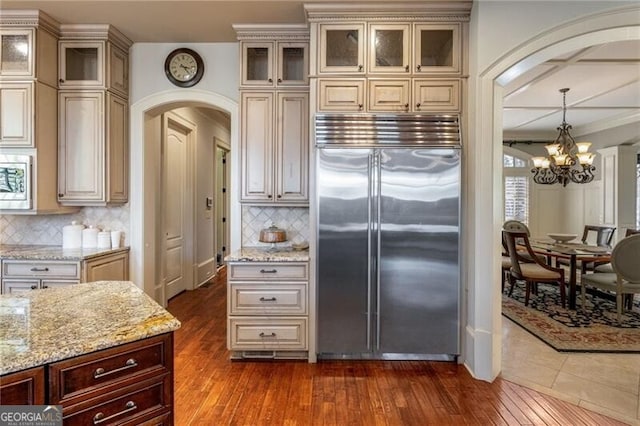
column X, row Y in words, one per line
column 605, row 383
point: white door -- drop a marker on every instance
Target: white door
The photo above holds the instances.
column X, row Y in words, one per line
column 175, row 206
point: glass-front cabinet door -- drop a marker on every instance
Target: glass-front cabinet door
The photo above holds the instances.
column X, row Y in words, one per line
column 342, row 48
column 16, row 53
column 437, row 48
column 389, row 48
column 81, row 64
column 293, row 64
column 257, row 64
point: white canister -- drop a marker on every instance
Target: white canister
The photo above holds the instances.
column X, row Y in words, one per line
column 104, row 240
column 72, row 235
column 116, row 236
column 90, row 237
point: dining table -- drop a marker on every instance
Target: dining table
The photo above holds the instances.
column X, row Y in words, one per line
column 574, row 251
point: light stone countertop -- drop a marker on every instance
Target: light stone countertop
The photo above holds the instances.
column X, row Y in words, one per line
column 264, row 254
column 42, row 326
column 42, row 252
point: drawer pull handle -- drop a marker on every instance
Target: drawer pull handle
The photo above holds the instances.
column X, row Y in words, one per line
column 33, row 287
column 131, row 363
column 267, row 335
column 271, row 299
column 34, row 269
column 268, row 271
column 100, row 417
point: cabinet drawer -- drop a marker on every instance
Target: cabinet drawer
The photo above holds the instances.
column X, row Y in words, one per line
column 267, row 299
column 133, row 405
column 16, row 268
column 268, row 271
column 94, row 374
column 23, row 388
column 267, row 333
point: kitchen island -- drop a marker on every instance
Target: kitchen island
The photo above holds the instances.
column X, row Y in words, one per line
column 105, row 349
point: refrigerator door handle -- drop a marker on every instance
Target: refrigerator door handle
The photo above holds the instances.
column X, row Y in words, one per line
column 378, row 176
column 370, row 166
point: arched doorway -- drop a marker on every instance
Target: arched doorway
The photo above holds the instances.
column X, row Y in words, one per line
column 484, row 306
column 145, row 179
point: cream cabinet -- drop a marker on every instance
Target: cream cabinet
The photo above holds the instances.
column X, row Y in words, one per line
column 345, row 95
column 93, row 148
column 275, row 63
column 389, row 95
column 25, row 275
column 16, row 114
column 268, row 309
column 435, row 95
column 390, row 48
column 89, row 64
column 342, row 48
column 274, row 151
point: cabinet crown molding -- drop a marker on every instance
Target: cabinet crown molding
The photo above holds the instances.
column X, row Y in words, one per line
column 285, row 32
column 438, row 11
column 95, row 32
column 31, row 18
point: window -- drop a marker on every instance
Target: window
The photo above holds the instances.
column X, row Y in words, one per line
column 516, row 188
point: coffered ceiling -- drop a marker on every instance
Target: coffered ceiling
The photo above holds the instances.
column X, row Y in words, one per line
column 604, row 80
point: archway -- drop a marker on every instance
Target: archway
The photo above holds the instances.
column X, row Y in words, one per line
column 144, row 179
column 483, row 332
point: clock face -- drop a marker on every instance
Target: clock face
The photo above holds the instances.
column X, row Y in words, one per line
column 184, row 67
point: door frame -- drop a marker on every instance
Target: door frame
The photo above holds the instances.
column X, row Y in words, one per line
column 170, row 118
column 224, row 145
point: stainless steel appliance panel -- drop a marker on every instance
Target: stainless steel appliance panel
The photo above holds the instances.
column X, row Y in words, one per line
column 344, row 256
column 418, row 289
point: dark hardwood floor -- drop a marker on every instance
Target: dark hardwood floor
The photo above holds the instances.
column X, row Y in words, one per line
column 212, row 390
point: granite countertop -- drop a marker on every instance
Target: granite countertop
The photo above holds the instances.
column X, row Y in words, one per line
column 41, row 252
column 264, row 254
column 42, row 326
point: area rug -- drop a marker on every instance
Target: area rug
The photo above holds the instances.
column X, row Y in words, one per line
column 593, row 329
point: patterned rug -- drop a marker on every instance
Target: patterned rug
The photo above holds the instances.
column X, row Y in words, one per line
column 593, row 329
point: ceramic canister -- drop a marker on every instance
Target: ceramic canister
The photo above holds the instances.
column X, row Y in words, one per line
column 104, row 239
column 72, row 235
column 90, row 237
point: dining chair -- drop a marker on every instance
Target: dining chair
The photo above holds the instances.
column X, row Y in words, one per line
column 626, row 278
column 603, row 238
column 531, row 270
column 606, row 267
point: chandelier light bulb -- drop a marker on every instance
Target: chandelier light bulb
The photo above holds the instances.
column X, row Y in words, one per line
column 583, row 147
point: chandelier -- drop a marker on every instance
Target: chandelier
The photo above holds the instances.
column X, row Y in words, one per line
column 567, row 161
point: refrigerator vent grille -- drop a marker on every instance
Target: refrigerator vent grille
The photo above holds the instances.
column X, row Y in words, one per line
column 369, row 129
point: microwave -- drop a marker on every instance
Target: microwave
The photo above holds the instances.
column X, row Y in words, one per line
column 15, row 182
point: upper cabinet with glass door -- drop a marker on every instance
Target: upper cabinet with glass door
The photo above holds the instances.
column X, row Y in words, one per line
column 389, row 48
column 81, row 64
column 438, row 49
column 342, row 48
column 274, row 63
column 16, row 53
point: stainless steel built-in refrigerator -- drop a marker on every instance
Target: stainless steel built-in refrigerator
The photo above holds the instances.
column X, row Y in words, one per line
column 388, row 221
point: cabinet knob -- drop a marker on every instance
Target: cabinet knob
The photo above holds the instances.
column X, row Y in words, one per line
column 418, row 105
column 360, row 67
column 270, row 80
column 279, row 196
column 60, row 195
column 33, row 287
column 279, row 80
column 269, row 196
column 406, row 68
column 45, row 286
column 360, row 107
column 406, row 107
column 418, row 67
column 61, row 80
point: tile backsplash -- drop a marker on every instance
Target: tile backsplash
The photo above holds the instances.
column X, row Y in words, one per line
column 294, row 220
column 47, row 229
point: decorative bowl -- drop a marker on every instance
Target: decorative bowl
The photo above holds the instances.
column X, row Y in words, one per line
column 562, row 238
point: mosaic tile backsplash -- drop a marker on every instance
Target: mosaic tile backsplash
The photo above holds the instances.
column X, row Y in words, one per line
column 47, row 229
column 294, row 220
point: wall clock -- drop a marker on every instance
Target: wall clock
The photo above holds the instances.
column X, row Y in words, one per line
column 184, row 67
